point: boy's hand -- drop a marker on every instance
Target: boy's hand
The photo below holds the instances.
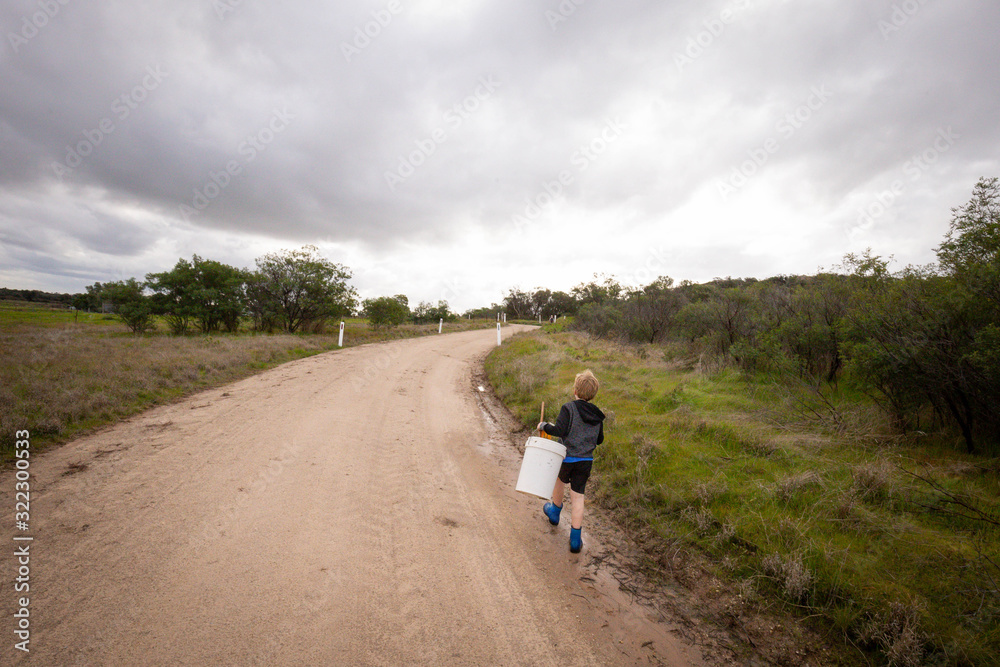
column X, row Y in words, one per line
column 541, row 426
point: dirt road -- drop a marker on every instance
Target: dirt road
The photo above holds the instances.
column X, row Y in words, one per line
column 352, row 508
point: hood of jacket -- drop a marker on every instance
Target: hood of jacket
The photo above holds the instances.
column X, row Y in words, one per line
column 589, row 412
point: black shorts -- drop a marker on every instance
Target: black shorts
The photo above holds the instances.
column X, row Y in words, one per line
column 576, row 474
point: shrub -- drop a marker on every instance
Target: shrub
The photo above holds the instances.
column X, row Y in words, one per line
column 386, row 312
column 133, row 307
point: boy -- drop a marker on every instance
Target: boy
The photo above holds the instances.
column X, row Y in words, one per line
column 581, row 426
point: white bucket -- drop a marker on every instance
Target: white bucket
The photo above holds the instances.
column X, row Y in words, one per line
column 540, row 467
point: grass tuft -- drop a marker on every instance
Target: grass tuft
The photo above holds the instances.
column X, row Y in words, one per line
column 792, row 575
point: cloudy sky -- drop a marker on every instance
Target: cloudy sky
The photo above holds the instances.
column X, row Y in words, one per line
column 453, row 149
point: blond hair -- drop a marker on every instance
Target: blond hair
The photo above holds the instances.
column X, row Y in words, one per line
column 586, row 385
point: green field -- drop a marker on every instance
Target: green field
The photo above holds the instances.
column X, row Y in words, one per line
column 799, row 498
column 62, row 374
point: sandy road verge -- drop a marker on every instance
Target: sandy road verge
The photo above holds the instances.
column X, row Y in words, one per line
column 347, row 508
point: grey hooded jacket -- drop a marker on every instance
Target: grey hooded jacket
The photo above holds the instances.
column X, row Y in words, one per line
column 581, row 426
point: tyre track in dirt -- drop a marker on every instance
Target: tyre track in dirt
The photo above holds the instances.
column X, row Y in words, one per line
column 340, row 509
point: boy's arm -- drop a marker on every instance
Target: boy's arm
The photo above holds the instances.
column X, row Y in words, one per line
column 600, row 434
column 561, row 428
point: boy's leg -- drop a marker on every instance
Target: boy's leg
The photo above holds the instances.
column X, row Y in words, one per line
column 576, row 520
column 578, row 485
column 553, row 509
column 557, row 493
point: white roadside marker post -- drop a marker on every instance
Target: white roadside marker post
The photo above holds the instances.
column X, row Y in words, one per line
column 340, row 340
column 498, row 334
column 440, row 324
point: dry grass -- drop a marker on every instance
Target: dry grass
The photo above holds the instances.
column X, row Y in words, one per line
column 872, row 481
column 897, row 633
column 793, row 576
column 54, row 382
column 792, row 486
column 702, row 519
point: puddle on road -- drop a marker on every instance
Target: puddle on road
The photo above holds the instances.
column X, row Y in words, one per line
column 492, row 430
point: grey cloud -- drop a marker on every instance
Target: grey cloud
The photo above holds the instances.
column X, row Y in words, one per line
column 322, row 176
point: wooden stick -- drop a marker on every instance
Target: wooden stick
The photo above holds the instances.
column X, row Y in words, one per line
column 541, row 418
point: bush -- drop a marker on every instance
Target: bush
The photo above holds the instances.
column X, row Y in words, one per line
column 386, row 312
column 133, row 307
column 600, row 321
column 296, row 288
column 425, row 313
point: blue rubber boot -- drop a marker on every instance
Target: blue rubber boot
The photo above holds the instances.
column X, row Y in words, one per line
column 575, row 540
column 552, row 511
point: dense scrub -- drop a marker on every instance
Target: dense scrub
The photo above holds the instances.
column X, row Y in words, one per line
column 922, row 342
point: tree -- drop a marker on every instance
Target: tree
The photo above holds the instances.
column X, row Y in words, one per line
column 599, row 320
column 90, row 300
column 918, row 339
column 970, row 255
column 732, row 314
column 131, row 304
column 206, row 291
column 489, row 312
column 648, row 314
column 386, row 311
column 219, row 295
column 172, row 296
column 261, row 306
column 427, row 313
column 517, row 304
column 606, row 292
column 560, row 303
column 540, row 300
column 971, row 250
column 297, row 288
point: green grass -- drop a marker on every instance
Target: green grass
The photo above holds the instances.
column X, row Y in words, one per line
column 810, row 503
column 559, row 325
column 61, row 376
column 14, row 313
